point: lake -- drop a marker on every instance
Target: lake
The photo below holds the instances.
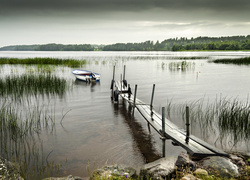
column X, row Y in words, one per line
column 91, row 131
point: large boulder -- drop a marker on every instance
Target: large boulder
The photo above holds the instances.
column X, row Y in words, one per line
column 183, row 162
column 9, row 170
column 221, row 166
column 159, row 169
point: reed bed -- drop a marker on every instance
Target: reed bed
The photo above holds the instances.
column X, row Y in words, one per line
column 237, row 61
column 20, row 130
column 226, row 116
column 34, row 84
column 234, row 118
column 183, row 65
column 43, row 61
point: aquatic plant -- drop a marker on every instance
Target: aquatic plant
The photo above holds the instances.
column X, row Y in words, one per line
column 20, row 129
column 230, row 117
column 183, row 65
column 238, row 61
column 43, row 61
column 33, row 84
column 234, row 118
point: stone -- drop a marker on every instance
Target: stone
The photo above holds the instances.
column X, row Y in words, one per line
column 183, row 161
column 220, row 165
column 201, row 172
column 189, row 177
column 9, row 170
column 70, row 177
column 237, row 160
column 114, row 170
column 160, row 169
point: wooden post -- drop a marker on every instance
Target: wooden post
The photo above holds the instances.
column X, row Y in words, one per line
column 149, row 130
column 187, row 125
column 124, row 72
column 112, row 84
column 121, row 83
column 134, row 99
column 163, row 132
column 151, row 103
column 129, row 91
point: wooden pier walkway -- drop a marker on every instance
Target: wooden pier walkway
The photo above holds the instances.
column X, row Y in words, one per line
column 193, row 145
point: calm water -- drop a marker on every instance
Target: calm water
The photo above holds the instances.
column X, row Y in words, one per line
column 96, row 132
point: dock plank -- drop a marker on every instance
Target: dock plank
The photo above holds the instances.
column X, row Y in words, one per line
column 195, row 146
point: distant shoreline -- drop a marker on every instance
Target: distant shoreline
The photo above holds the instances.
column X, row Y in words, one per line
column 228, row 43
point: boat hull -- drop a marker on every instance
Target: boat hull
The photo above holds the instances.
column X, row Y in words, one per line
column 87, row 76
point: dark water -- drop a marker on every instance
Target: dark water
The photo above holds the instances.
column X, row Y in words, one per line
column 95, row 132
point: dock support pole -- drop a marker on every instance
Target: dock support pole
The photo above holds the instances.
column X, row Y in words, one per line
column 163, row 132
column 124, row 69
column 151, row 103
column 112, row 85
column 149, row 130
column 125, row 83
column 121, row 83
column 129, row 91
column 134, row 99
column 187, row 125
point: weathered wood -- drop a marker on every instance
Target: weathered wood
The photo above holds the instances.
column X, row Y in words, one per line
column 152, row 98
column 195, row 146
column 124, row 70
column 163, row 131
column 187, row 124
column 112, row 84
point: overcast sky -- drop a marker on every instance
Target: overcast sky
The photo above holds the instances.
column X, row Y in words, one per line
column 113, row 21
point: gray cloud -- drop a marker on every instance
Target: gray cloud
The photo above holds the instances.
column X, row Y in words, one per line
column 125, row 5
column 110, row 21
column 131, row 9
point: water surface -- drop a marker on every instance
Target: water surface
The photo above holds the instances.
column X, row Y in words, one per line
column 95, row 131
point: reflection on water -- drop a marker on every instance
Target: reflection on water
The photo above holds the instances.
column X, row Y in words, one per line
column 91, row 84
column 95, row 131
column 142, row 139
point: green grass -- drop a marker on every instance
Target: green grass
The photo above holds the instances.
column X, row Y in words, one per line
column 238, row 61
column 43, row 61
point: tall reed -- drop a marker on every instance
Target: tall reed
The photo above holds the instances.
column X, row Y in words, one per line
column 227, row 116
column 183, row 65
column 20, row 130
column 43, row 61
column 238, row 61
column 34, row 84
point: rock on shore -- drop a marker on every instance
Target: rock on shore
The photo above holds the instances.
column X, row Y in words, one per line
column 9, row 170
column 236, row 166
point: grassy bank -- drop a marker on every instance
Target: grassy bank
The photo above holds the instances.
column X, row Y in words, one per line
column 43, row 61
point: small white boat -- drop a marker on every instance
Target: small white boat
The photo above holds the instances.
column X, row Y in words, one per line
column 85, row 75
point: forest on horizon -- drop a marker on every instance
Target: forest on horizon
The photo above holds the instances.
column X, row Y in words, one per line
column 172, row 44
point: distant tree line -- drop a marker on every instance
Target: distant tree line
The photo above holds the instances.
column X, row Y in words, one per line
column 50, row 47
column 182, row 44
column 172, row 44
column 61, row 47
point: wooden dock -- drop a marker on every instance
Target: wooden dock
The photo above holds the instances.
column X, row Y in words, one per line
column 168, row 130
